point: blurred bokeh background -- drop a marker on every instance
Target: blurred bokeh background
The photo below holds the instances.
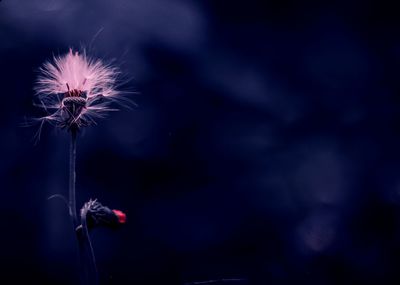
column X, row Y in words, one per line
column 264, row 145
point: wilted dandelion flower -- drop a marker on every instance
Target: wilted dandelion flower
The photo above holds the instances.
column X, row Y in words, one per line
column 75, row 89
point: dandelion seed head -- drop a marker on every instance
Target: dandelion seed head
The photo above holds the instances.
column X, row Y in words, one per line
column 75, row 89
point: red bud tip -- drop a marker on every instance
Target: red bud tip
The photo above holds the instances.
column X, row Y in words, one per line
column 121, row 216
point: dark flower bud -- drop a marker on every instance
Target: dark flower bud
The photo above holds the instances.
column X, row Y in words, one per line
column 98, row 215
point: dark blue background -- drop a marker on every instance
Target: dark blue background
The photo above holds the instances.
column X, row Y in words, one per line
column 265, row 144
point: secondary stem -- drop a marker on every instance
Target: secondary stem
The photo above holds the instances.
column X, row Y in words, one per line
column 84, row 239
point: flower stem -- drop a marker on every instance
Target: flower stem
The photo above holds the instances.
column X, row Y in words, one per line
column 85, row 238
column 72, row 179
column 88, row 272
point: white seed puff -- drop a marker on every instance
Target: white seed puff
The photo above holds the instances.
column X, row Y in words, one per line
column 75, row 89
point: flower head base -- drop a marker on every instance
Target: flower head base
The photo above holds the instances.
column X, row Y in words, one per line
column 75, row 90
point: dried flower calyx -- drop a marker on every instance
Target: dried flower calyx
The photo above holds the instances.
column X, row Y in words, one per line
column 95, row 214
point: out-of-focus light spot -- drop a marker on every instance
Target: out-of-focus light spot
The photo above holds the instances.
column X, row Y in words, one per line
column 317, row 232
